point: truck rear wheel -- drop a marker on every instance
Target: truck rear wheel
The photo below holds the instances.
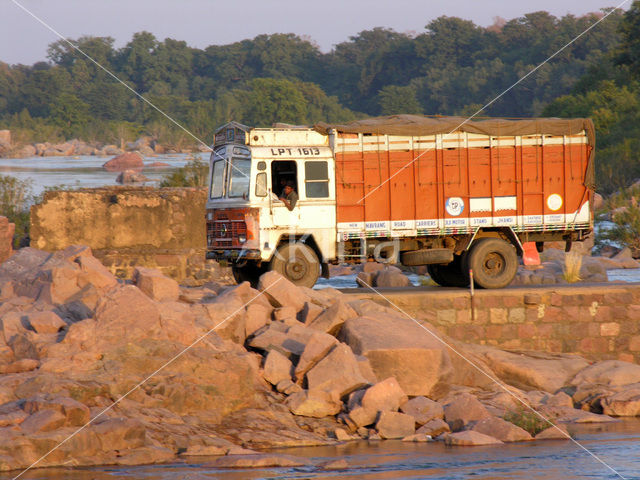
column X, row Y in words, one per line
column 450, row 275
column 494, row 263
column 298, row 263
column 249, row 272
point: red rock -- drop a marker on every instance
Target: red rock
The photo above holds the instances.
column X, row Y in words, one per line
column 7, row 230
column 395, row 425
column 337, row 372
column 257, row 461
column 43, row 421
column 19, row 366
column 94, row 273
column 463, row 410
column 158, row 165
column 256, row 318
column 558, row 432
column 315, row 350
column 501, row 429
column 422, row 409
column 434, row 427
column 391, row 279
column 45, row 322
column 384, row 396
column 120, row 433
column 125, row 161
column 622, row 404
column 469, row 439
column 75, row 413
column 156, row 285
column 317, row 404
column 608, row 372
column 330, row 321
column 131, row 176
column 277, row 367
column 281, row 292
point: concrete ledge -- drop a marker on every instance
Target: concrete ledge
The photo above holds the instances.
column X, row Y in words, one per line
column 598, row 321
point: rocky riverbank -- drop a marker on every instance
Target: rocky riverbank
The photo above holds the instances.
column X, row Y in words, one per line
column 146, row 146
column 285, row 366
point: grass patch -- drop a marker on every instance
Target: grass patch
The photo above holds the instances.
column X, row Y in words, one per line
column 572, row 266
column 527, row 420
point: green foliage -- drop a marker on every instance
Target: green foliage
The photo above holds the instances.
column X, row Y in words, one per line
column 527, row 420
column 15, row 200
column 194, row 174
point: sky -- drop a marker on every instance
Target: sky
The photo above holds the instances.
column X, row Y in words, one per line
column 212, row 22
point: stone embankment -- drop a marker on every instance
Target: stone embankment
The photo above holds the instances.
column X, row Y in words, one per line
column 239, row 369
column 146, row 146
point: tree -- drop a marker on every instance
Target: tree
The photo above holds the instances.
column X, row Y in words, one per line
column 629, row 49
column 394, row 100
column 69, row 112
column 270, row 100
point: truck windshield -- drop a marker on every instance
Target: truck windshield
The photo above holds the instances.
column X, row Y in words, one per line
column 217, row 179
column 240, row 169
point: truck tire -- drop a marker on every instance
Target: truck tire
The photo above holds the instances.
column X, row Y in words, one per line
column 298, row 263
column 249, row 272
column 450, row 275
column 494, row 263
column 426, row 257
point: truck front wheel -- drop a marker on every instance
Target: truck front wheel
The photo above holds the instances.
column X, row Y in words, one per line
column 494, row 263
column 248, row 272
column 298, row 263
column 450, row 275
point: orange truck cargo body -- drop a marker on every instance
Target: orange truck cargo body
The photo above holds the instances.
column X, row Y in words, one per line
column 455, row 183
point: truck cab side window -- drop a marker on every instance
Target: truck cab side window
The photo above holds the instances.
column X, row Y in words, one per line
column 283, row 172
column 316, row 179
column 261, row 185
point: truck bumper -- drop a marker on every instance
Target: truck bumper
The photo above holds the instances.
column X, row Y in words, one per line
column 233, row 255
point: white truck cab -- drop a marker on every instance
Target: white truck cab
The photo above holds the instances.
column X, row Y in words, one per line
column 248, row 225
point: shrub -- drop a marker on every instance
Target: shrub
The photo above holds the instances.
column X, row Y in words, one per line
column 194, row 174
column 572, row 266
column 15, row 200
column 527, row 420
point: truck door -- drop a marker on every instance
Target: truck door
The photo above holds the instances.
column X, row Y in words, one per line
column 284, row 172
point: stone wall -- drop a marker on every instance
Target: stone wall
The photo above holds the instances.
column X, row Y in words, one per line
column 130, row 226
column 599, row 322
column 7, row 229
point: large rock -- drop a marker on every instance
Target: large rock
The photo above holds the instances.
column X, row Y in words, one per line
column 398, row 347
column 389, row 278
column 131, row 176
column 281, row 292
column 434, row 427
column 156, row 285
column 622, row 404
column 395, row 425
column 74, row 412
column 45, row 322
column 277, row 367
column 557, row 432
column 384, row 396
column 501, row 429
column 422, row 409
column 337, row 373
column 315, row 350
column 463, row 410
column 125, row 161
column 470, row 438
column 613, row 373
column 317, row 404
column 332, row 319
column 534, row 370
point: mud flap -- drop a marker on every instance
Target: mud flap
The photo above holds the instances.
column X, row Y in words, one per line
column 530, row 255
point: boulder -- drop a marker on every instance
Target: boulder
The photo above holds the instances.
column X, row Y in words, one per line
column 309, row 312
column 337, row 373
column 315, row 350
column 124, row 161
column 316, row 404
column 384, row 396
column 613, row 373
column 560, row 399
column 558, row 432
column 622, row 404
column 469, row 438
column 285, row 314
column 120, row 433
column 422, row 409
column 434, row 427
column 258, row 460
column 398, row 347
column 534, row 370
column 501, row 429
column 43, row 421
column 92, row 272
column 256, row 318
column 331, row 320
column 463, row 410
column 277, row 367
column 281, row 292
column 45, row 322
column 389, row 278
column 74, row 412
column 156, row 285
column 395, row 425
column 131, row 176
column 362, row 417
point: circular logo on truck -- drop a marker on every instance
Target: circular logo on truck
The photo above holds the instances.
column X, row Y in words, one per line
column 454, row 206
column 554, row 202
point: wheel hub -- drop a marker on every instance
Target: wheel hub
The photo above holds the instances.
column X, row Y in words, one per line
column 296, row 268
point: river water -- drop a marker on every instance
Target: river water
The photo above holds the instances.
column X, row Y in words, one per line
column 617, row 445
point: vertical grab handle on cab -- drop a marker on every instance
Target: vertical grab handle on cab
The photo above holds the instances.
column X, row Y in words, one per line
column 270, row 203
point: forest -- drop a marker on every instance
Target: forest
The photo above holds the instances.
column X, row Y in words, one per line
column 453, row 67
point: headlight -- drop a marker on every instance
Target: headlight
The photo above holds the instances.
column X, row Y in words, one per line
column 242, row 238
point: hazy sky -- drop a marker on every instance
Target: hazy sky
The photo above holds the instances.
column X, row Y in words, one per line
column 207, row 22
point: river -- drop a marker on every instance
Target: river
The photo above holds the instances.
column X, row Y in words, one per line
column 616, row 444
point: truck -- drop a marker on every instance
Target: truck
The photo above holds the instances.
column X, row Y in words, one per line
column 447, row 193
